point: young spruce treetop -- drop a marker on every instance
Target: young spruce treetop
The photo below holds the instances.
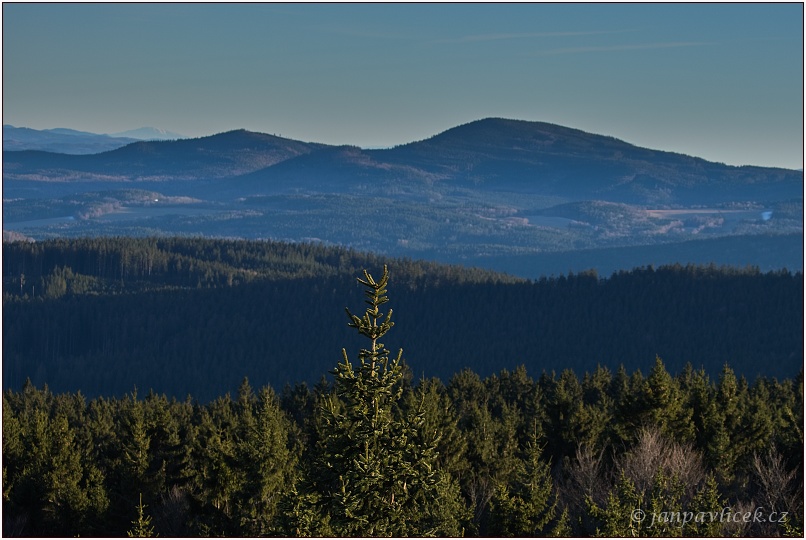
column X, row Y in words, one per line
column 374, row 473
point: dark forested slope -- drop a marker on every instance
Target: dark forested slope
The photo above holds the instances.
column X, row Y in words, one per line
column 222, row 155
column 194, row 316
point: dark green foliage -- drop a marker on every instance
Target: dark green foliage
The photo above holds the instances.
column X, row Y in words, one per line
column 527, row 505
column 77, row 467
column 707, row 500
column 372, row 450
column 375, row 470
column 265, row 456
column 616, row 517
column 50, row 485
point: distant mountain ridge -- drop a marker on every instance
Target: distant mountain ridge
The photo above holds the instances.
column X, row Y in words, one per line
column 495, row 154
column 514, row 154
column 149, row 134
column 223, row 155
column 489, row 188
column 71, row 141
column 60, row 140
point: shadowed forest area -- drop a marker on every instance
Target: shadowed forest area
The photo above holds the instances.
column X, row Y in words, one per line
column 191, row 316
column 372, row 453
column 371, row 448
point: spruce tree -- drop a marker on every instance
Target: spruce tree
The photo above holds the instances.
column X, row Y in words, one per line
column 618, row 518
column 664, row 404
column 527, row 506
column 374, row 471
column 267, row 463
column 706, row 504
column 441, row 424
column 141, row 527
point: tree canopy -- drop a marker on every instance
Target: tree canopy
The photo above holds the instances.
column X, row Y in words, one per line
column 375, row 452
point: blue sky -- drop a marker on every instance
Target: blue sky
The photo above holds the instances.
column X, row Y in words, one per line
column 719, row 81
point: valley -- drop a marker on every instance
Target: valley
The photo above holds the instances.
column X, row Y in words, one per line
column 471, row 195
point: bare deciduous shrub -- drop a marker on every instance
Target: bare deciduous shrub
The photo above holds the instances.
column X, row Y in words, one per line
column 172, row 515
column 655, row 452
column 778, row 490
column 481, row 490
column 736, row 526
column 586, row 478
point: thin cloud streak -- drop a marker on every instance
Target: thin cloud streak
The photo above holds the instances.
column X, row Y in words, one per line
column 474, row 38
column 613, row 48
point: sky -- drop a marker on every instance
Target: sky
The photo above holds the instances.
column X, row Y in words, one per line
column 719, row 81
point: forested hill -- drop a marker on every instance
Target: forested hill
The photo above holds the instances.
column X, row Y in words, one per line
column 196, row 316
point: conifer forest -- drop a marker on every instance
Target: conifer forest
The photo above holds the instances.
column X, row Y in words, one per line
column 183, row 387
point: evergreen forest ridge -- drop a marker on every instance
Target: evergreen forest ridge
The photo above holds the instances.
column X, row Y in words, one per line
column 526, row 198
column 194, row 316
column 374, row 454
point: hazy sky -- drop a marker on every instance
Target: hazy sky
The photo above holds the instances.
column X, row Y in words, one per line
column 719, row 81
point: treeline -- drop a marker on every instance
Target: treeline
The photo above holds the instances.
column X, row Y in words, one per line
column 104, row 265
column 376, row 451
column 194, row 316
column 513, row 456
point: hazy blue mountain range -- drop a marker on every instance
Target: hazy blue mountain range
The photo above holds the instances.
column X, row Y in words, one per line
column 480, row 193
column 71, row 141
column 148, row 134
column 60, row 140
